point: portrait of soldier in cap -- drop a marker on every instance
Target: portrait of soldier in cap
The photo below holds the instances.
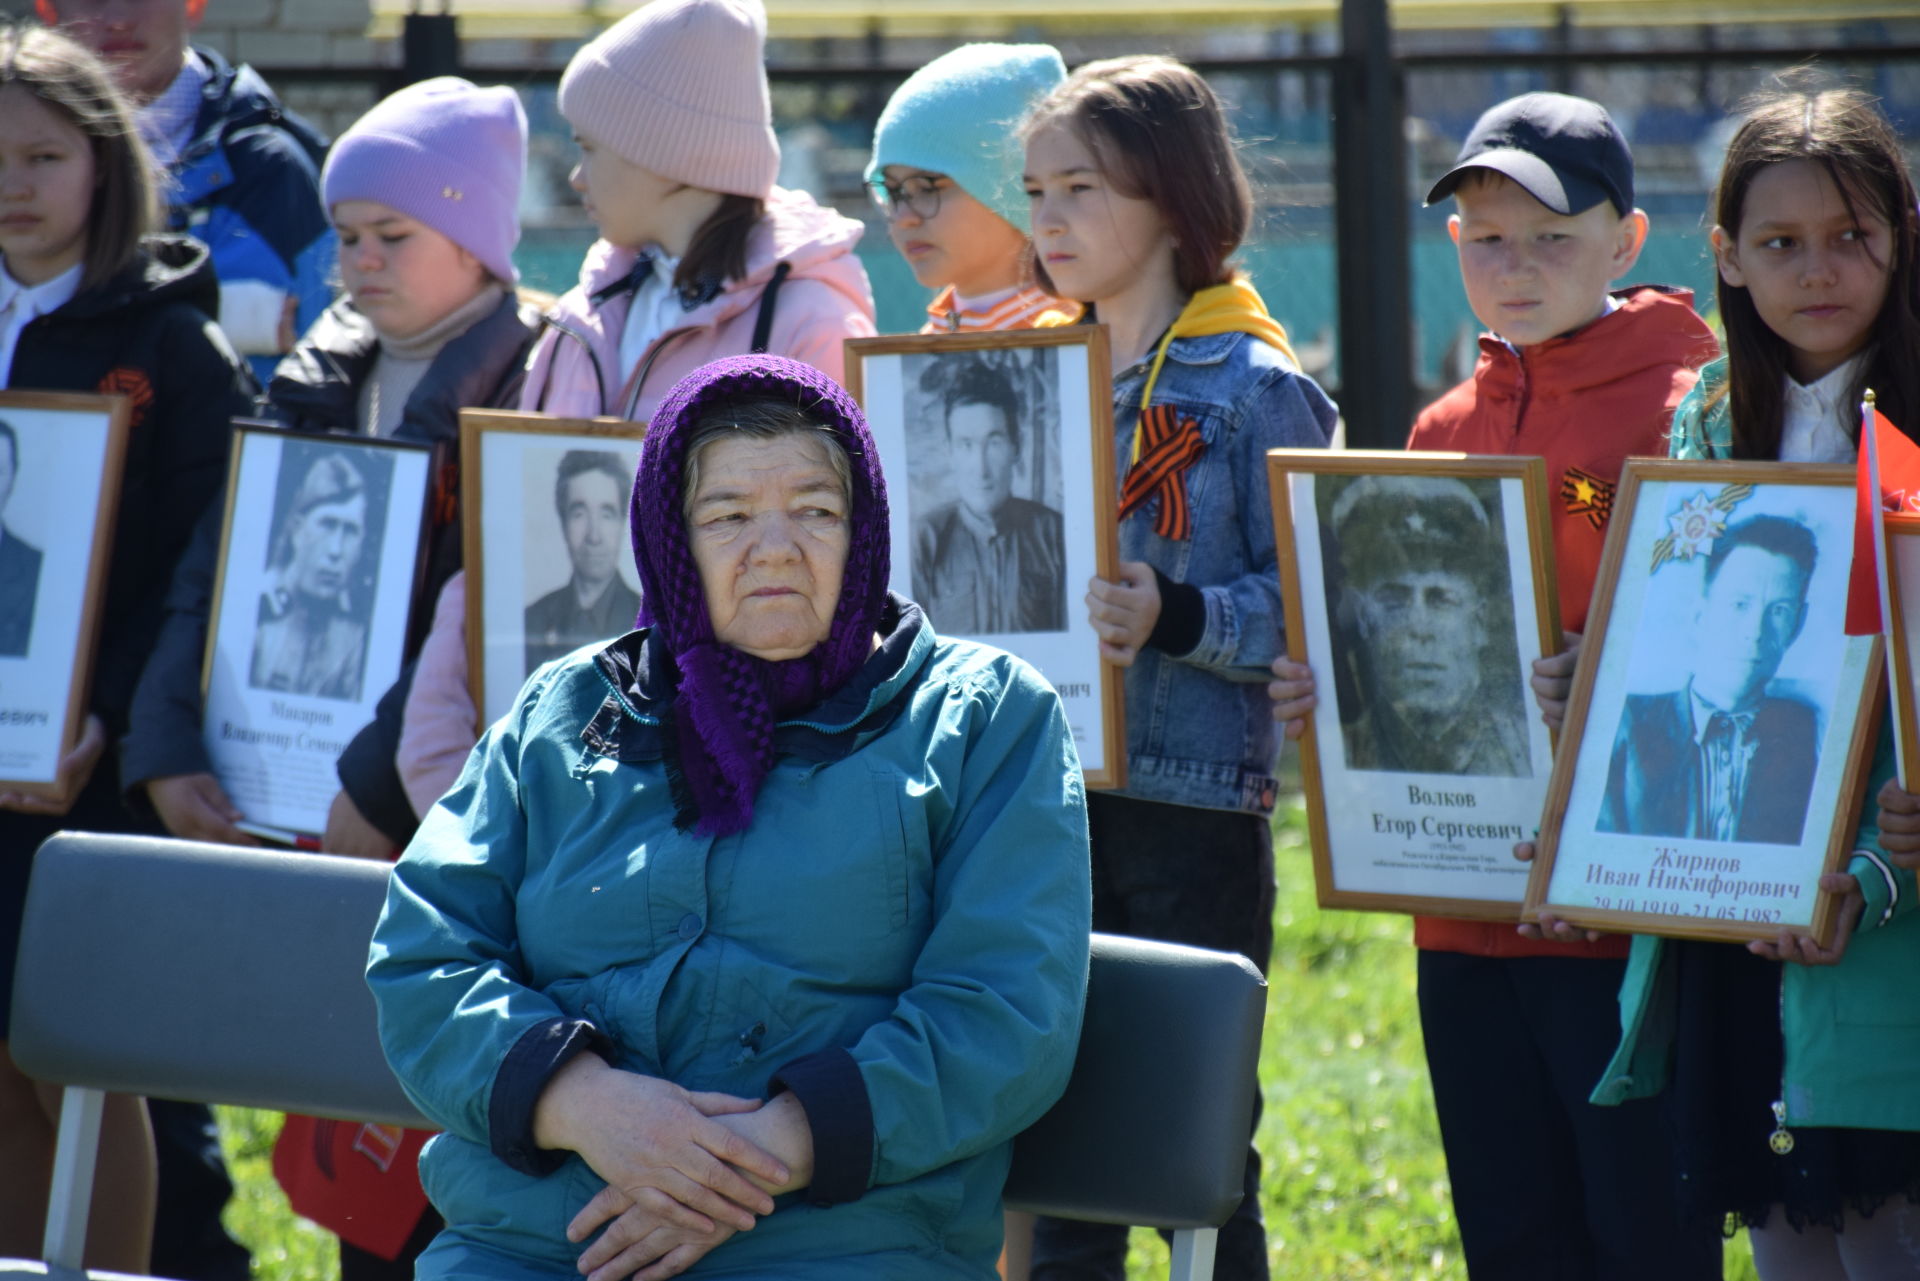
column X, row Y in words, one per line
column 1727, row 757
column 311, row 637
column 1418, row 588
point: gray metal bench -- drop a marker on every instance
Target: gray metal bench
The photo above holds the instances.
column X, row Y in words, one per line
column 222, row 975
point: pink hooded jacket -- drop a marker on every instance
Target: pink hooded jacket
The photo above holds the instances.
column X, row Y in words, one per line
column 440, row 724
column 826, row 298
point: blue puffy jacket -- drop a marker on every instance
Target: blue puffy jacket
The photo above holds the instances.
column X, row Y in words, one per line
column 900, row 937
column 247, row 183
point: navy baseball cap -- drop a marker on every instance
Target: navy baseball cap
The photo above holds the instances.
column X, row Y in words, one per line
column 1566, row 152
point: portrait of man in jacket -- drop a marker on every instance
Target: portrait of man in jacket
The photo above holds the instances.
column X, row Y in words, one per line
column 19, row 561
column 1724, row 758
column 989, row 561
column 594, row 604
column 1419, row 576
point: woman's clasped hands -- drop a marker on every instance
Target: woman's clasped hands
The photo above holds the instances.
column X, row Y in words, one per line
column 684, row 1169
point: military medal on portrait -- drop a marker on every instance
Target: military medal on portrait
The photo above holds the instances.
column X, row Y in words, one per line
column 1721, row 717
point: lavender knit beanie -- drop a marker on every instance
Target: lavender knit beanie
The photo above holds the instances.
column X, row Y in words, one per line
column 723, row 715
column 679, row 87
column 446, row 153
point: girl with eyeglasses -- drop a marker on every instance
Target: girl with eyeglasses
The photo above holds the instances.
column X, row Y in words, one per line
column 946, row 173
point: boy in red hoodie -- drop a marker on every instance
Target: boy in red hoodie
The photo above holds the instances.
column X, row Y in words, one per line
column 1518, row 1030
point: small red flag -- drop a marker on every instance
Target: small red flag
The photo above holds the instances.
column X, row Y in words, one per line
column 1888, row 481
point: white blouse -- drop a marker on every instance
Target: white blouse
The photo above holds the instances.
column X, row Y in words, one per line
column 21, row 305
column 655, row 309
column 1815, row 427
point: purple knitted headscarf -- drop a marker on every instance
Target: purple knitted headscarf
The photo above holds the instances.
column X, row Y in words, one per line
column 721, row 740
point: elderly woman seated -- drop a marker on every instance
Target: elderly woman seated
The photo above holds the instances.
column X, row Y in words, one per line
column 749, row 941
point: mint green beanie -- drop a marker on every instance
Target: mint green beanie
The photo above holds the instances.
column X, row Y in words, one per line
column 959, row 114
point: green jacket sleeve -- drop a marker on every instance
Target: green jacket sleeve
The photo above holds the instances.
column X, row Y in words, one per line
column 445, row 968
column 1889, row 891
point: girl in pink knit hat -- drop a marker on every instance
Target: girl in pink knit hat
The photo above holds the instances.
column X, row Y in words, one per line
column 700, row 255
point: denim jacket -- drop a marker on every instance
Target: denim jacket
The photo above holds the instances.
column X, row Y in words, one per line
column 1198, row 727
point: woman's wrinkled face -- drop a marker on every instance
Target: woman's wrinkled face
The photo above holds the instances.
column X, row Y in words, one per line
column 768, row 525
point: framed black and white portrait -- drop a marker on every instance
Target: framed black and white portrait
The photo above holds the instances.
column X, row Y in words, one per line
column 998, row 451
column 1721, row 716
column 548, row 548
column 320, row 564
column 1417, row 588
column 60, row 463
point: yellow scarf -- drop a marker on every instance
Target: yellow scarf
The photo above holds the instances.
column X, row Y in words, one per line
column 1235, row 307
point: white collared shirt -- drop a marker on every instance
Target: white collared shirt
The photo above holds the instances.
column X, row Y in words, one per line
column 1815, row 427
column 166, row 123
column 21, row 305
column 655, row 309
column 1720, row 787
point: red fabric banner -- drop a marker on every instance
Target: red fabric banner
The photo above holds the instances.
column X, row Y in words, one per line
column 1890, row 462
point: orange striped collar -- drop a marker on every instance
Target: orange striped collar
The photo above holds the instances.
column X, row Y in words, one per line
column 1024, row 308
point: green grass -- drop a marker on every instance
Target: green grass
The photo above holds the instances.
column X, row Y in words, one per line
column 1355, row 1187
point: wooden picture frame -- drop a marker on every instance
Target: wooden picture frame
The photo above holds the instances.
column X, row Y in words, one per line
column 1900, row 554
column 521, row 561
column 58, row 507
column 1419, row 588
column 1717, row 636
column 322, row 561
column 1051, row 492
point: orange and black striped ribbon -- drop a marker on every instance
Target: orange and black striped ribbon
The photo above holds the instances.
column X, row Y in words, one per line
column 1168, row 446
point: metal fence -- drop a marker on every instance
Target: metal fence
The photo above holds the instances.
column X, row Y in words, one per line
column 1363, row 277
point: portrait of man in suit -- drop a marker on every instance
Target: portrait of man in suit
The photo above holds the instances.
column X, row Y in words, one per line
column 1421, row 584
column 989, row 561
column 1725, row 758
column 590, row 493
column 19, row 560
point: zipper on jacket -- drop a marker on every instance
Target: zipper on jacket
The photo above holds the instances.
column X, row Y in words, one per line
column 599, row 375
column 626, row 704
column 1781, row 1140
column 630, row 395
column 1526, row 391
